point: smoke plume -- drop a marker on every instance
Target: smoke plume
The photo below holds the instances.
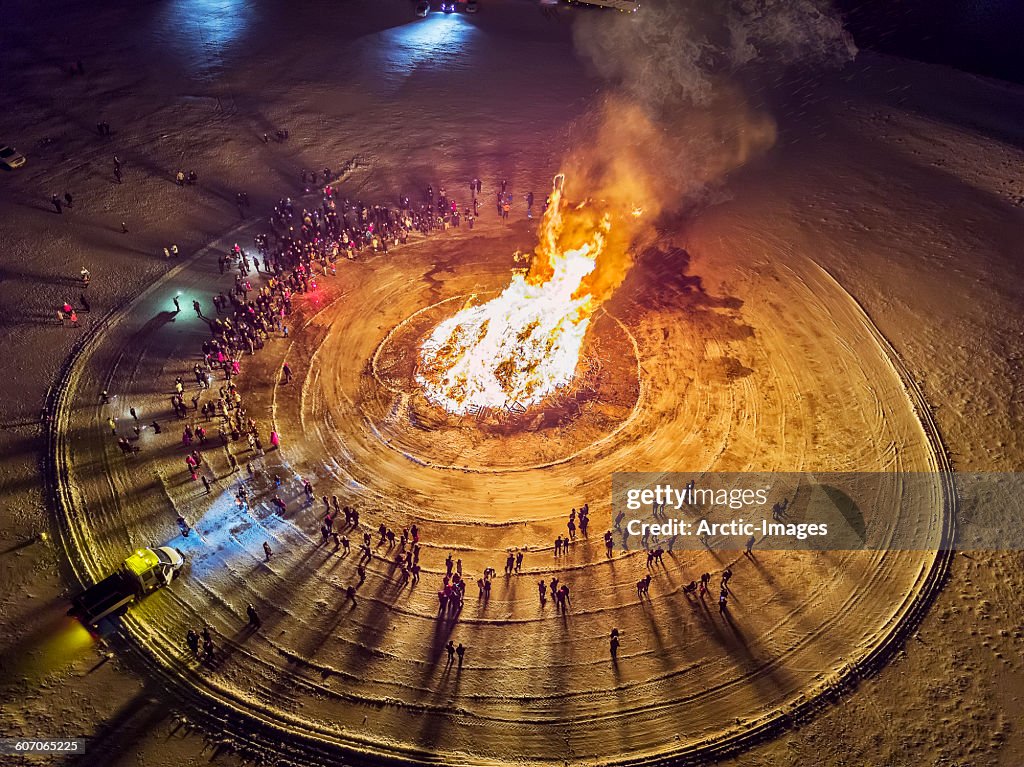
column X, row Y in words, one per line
column 678, row 117
column 674, row 52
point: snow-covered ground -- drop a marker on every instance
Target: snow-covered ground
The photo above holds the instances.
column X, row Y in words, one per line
column 901, row 180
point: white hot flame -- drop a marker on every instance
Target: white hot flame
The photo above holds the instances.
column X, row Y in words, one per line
column 519, row 348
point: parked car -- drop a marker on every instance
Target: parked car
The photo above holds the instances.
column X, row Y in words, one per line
column 144, row 572
column 422, row 8
column 10, row 157
column 472, row 6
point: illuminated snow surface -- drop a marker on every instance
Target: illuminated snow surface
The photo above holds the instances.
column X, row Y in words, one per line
column 901, row 179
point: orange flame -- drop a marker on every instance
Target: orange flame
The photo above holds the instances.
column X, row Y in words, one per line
column 519, row 348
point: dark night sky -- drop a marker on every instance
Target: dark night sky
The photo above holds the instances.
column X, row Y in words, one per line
column 981, row 36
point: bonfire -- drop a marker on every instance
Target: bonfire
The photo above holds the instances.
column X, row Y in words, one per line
column 521, row 347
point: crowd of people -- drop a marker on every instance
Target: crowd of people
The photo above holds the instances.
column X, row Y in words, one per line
column 301, row 245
